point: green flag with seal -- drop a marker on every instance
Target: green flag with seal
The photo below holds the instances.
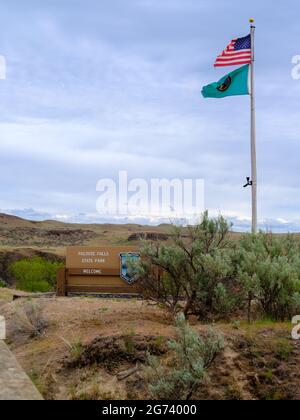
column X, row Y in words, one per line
column 233, row 84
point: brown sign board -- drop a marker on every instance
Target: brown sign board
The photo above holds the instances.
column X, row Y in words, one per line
column 96, row 257
column 96, row 270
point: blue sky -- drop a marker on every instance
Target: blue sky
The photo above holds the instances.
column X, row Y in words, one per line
column 98, row 86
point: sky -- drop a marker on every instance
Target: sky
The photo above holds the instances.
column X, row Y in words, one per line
column 94, row 87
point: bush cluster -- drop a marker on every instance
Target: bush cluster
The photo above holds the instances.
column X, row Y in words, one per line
column 207, row 272
column 34, row 275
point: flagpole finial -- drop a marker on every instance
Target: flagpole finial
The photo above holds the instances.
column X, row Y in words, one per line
column 251, row 20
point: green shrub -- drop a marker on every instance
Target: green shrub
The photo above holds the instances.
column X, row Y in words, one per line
column 225, row 302
column 284, row 349
column 269, row 273
column 205, row 273
column 34, row 275
column 2, row 284
column 192, row 355
column 198, row 266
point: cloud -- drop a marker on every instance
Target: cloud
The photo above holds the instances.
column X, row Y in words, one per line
column 94, row 89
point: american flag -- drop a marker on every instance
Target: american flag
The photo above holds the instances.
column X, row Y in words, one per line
column 238, row 52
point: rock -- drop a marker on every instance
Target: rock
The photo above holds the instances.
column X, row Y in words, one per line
column 148, row 236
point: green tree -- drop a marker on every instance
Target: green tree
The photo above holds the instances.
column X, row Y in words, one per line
column 35, row 275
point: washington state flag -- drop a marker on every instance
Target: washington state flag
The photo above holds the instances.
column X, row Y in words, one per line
column 233, row 84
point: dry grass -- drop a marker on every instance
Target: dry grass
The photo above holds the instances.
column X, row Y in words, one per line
column 6, row 295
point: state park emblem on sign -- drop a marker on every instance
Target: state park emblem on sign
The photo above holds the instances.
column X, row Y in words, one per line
column 127, row 271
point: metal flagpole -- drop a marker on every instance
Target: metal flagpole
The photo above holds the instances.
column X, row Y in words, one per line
column 253, row 135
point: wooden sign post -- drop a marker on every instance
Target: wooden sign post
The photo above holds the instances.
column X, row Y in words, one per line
column 97, row 270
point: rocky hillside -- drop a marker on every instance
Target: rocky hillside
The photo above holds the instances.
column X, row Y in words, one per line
column 17, row 232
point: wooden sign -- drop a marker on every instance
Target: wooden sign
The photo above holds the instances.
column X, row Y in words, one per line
column 96, row 257
column 97, row 270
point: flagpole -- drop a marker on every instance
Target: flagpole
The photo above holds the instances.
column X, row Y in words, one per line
column 253, row 134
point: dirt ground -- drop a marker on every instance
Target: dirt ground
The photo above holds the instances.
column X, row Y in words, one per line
column 76, row 348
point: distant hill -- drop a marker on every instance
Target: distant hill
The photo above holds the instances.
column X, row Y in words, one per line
column 16, row 232
column 15, row 221
column 20, row 238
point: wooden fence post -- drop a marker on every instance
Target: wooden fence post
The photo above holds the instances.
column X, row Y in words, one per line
column 61, row 289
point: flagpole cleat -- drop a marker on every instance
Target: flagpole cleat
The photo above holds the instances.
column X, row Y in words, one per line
column 249, row 183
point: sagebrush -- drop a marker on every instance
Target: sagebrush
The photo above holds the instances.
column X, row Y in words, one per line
column 205, row 272
column 180, row 377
